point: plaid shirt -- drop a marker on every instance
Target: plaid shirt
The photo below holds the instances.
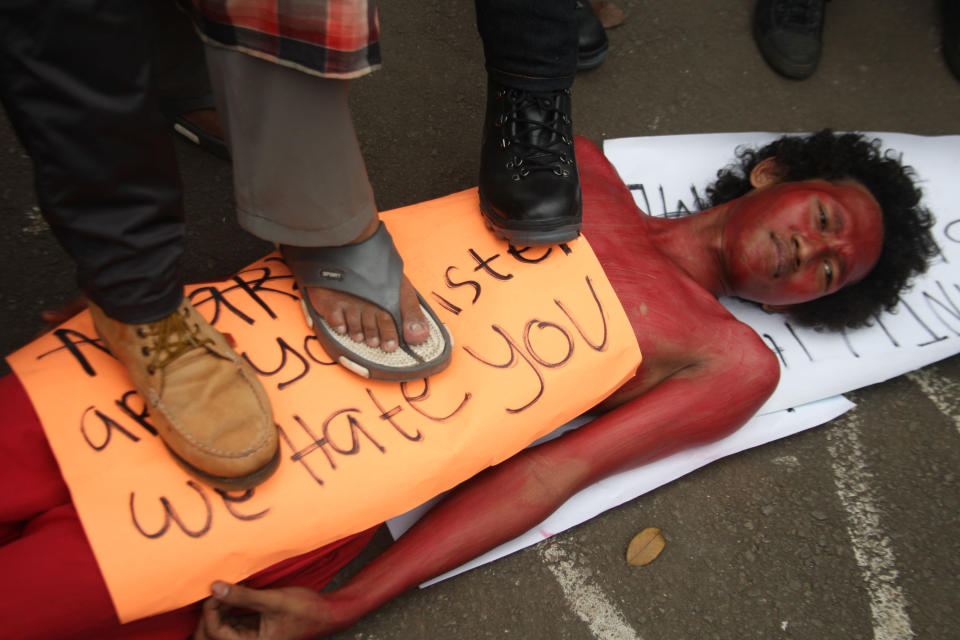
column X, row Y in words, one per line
column 329, row 38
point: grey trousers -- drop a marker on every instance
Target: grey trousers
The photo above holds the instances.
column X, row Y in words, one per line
column 299, row 177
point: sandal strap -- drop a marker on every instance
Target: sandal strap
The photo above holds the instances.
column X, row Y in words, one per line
column 372, row 269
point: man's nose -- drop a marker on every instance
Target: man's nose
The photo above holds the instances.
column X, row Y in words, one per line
column 808, row 248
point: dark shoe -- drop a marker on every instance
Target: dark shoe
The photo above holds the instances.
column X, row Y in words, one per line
column 789, row 34
column 951, row 35
column 205, row 401
column 208, row 136
column 592, row 42
column 529, row 186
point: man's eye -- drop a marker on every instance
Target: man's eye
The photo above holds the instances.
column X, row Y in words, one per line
column 828, row 273
column 823, row 219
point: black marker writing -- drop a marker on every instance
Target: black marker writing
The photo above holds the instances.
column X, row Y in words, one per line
column 108, row 424
column 171, row 514
column 72, row 341
column 415, row 400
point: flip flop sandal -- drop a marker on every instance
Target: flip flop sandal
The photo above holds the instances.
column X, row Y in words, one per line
column 175, row 110
column 372, row 270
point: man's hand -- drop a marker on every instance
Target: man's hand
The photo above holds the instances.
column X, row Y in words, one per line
column 290, row 613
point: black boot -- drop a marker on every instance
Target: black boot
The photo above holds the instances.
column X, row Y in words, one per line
column 529, row 186
column 592, row 42
column 789, row 34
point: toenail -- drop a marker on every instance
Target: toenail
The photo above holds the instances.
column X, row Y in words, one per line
column 390, row 344
column 416, row 326
column 341, row 329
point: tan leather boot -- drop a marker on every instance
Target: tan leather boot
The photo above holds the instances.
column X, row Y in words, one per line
column 204, row 400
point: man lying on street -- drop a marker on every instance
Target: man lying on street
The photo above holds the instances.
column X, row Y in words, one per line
column 826, row 227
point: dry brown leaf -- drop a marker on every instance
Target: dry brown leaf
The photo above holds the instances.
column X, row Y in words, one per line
column 610, row 15
column 645, row 547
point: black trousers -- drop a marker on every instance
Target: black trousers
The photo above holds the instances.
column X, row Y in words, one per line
column 75, row 82
column 529, row 44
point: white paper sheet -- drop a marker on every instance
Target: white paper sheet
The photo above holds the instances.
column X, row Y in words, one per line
column 664, row 173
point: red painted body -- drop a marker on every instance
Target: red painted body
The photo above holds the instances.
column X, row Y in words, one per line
column 703, row 375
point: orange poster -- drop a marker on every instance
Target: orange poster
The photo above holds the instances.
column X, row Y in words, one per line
column 539, row 337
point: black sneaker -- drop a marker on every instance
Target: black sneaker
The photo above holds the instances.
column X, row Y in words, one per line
column 951, row 35
column 529, row 186
column 789, row 34
column 592, row 42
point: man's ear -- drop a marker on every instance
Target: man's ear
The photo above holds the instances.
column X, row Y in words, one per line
column 777, row 308
column 766, row 173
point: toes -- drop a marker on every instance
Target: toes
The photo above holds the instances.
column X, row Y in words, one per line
column 371, row 329
column 335, row 318
column 354, row 323
column 415, row 328
column 388, row 331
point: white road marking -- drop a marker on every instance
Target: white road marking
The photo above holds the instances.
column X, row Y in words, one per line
column 585, row 598
column 871, row 546
column 942, row 391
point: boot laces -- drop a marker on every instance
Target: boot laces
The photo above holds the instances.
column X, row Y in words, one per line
column 171, row 338
column 799, row 15
column 535, row 145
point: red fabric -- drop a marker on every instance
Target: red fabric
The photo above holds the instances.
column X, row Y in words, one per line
column 330, row 38
column 50, row 585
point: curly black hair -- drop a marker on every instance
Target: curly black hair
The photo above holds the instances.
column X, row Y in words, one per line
column 908, row 244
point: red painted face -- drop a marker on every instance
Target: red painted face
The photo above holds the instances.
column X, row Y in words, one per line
column 797, row 241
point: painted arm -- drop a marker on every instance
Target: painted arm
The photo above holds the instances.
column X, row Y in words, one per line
column 697, row 404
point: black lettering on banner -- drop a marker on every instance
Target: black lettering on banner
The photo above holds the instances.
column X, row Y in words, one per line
column 846, row 341
column 220, row 302
column 109, row 424
column 603, row 317
column 485, row 265
column 140, row 417
column 514, row 350
column 776, row 349
column 246, row 288
column 299, row 456
column 934, row 303
column 171, row 514
column 518, row 254
column 230, row 500
column 952, row 231
column 446, row 304
column 889, row 335
column 934, row 337
column 533, row 352
column 355, row 429
column 799, row 341
column 71, row 341
column 643, row 193
column 311, row 339
column 565, row 248
column 388, row 415
column 284, row 350
column 453, row 285
column 325, row 441
column 251, row 282
column 681, row 210
column 414, row 400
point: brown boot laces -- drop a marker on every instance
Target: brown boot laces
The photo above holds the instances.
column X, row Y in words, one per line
column 173, row 339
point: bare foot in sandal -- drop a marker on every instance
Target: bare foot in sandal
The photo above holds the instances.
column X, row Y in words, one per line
column 365, row 322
